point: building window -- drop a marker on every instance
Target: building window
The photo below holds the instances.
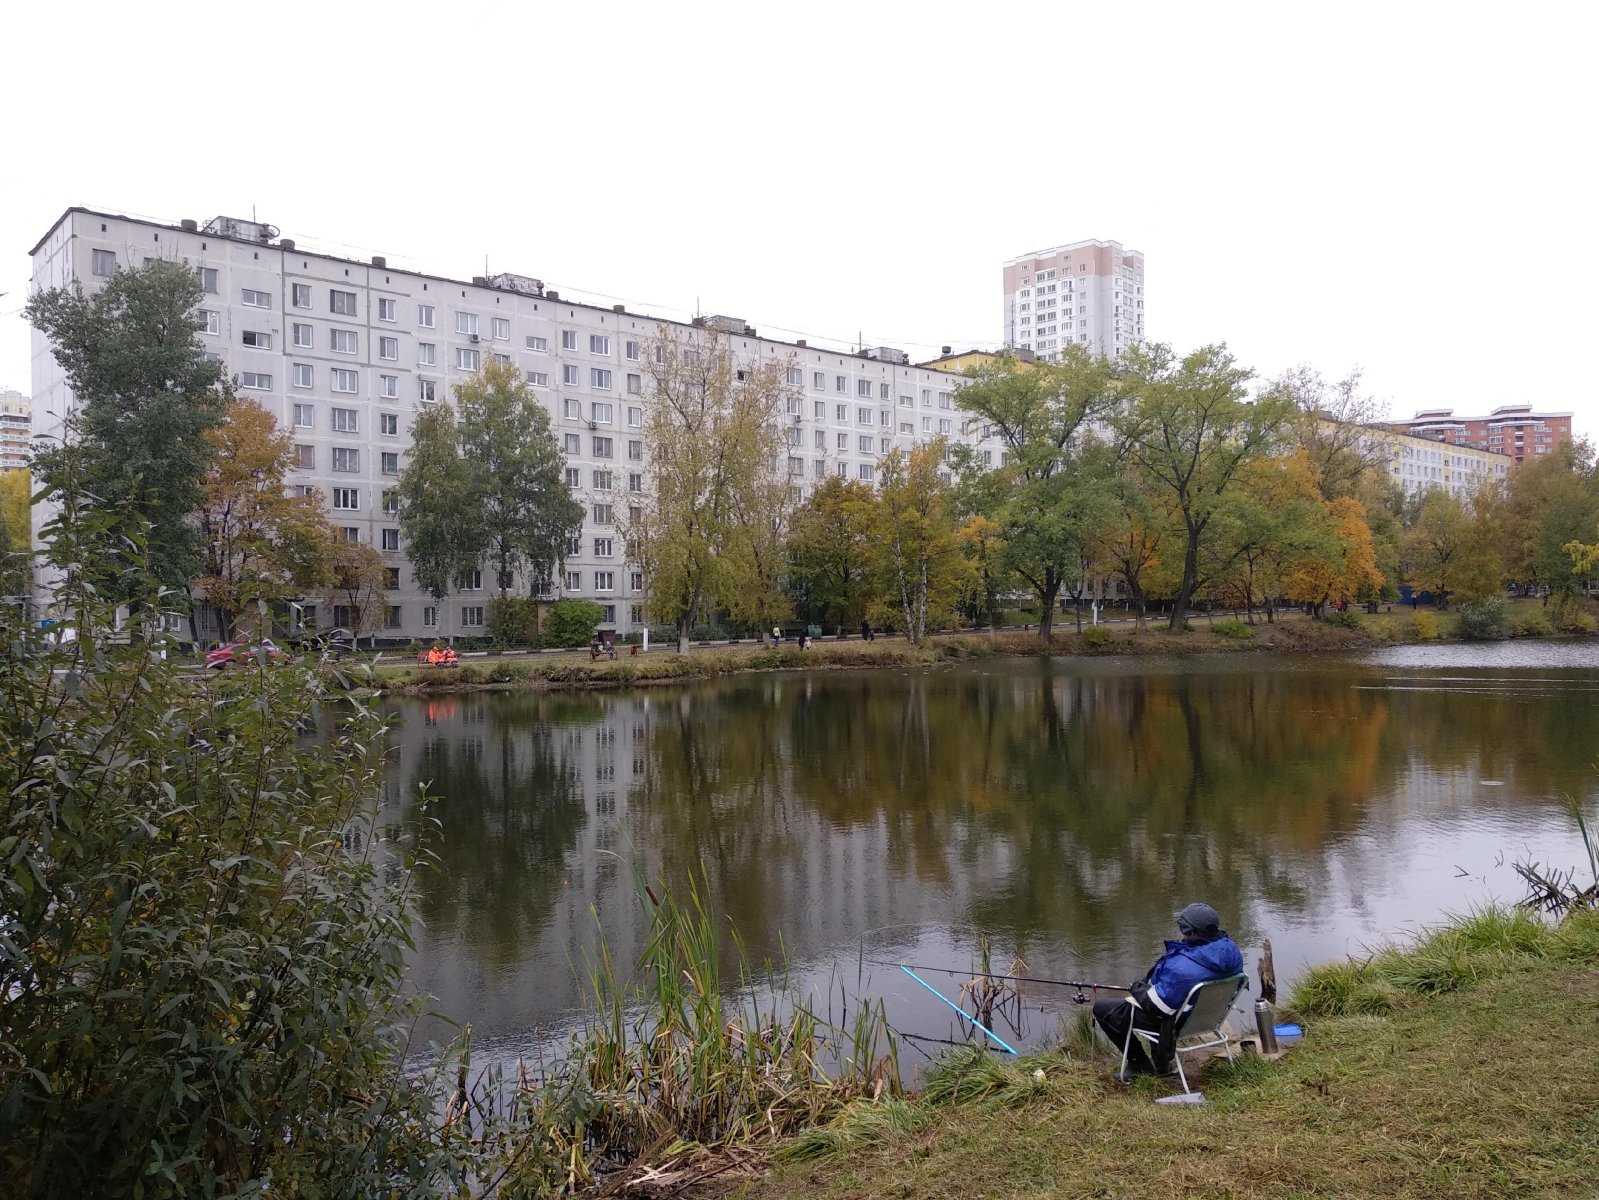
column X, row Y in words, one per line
column 539, row 378
column 303, row 336
column 391, row 613
column 254, row 299
column 471, row 616
column 430, row 617
column 345, row 420
column 391, row 580
column 474, row 581
column 574, row 581
column 255, row 381
column 213, row 321
column 386, row 309
column 342, row 341
column 300, row 295
column 537, row 344
column 502, row 329
column 389, row 348
column 344, row 381
column 635, row 450
column 599, row 412
column 305, row 457
column 867, row 472
column 389, row 424
column 389, row 387
column 635, row 481
column 105, row 263
column 572, row 408
column 599, row 343
column 863, row 416
column 304, row 376
column 635, row 417
column 342, row 303
column 602, row 447
column 390, row 538
column 841, row 441
column 602, row 547
column 426, row 354
column 568, row 339
column 391, row 502
column 347, row 500
column 208, row 279
column 630, row 351
column 304, row 416
column 390, row 460
column 466, row 323
column 599, row 379
column 424, row 315
column 346, row 459
column 426, row 391
column 466, row 359
column 602, row 513
column 865, row 444
column 635, row 385
column 636, row 581
column 569, row 375
column 605, row 581
column 574, row 444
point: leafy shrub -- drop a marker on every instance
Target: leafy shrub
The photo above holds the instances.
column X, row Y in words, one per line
column 1575, row 620
column 1532, row 624
column 1097, row 637
column 1426, row 626
column 1233, row 628
column 1348, row 619
column 572, row 623
column 514, row 620
column 1484, row 620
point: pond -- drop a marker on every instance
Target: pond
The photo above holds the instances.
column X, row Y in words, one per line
column 1062, row 809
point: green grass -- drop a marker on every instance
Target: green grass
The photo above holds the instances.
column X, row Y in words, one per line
column 1462, row 1065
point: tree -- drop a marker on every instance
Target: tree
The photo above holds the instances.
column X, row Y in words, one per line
column 1272, row 517
column 829, row 552
column 714, row 444
column 525, row 513
column 258, row 543
column 1549, row 501
column 987, row 577
column 1190, row 428
column 356, row 582
column 146, row 394
column 439, row 516
column 1336, row 425
column 16, row 534
column 1051, row 496
column 1346, row 570
column 1130, row 539
column 1449, row 552
column 917, row 553
column 758, row 551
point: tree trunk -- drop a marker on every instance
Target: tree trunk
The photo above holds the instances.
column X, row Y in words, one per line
column 1185, row 592
column 1048, row 594
column 682, row 633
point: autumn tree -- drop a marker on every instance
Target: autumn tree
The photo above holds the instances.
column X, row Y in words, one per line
column 145, row 396
column 1271, row 518
column 1549, row 501
column 1345, row 568
column 1191, row 427
column 16, row 533
column 982, row 545
column 439, row 517
column 1132, row 535
column 356, row 583
column 915, row 546
column 1338, row 426
column 714, row 445
column 1452, row 553
column 829, row 552
column 258, row 543
column 1053, row 490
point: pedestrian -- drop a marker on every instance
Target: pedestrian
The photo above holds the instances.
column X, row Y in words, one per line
column 777, row 637
column 866, row 630
column 1205, row 952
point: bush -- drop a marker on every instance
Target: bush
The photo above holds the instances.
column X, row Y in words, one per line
column 1532, row 624
column 1348, row 619
column 572, row 623
column 1484, row 620
column 1233, row 628
column 1097, row 637
column 1426, row 626
column 514, row 620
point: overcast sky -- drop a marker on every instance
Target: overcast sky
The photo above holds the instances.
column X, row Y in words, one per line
column 1407, row 188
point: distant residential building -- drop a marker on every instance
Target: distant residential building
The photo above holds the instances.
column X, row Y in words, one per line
column 1516, row 430
column 970, row 360
column 16, row 429
column 1090, row 293
column 1419, row 464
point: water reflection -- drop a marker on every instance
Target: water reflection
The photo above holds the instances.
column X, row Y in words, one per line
column 1066, row 808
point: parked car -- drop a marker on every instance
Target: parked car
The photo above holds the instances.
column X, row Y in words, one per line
column 238, row 654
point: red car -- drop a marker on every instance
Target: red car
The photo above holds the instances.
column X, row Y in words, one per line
column 239, row 654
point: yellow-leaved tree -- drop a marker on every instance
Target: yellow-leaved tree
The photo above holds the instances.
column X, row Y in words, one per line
column 916, row 547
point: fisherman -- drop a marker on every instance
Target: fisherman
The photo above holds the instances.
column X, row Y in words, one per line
column 1205, row 952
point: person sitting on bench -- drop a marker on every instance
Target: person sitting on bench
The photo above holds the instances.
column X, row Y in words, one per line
column 1204, row 953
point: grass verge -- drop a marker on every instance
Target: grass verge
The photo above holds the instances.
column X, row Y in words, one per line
column 1460, row 1066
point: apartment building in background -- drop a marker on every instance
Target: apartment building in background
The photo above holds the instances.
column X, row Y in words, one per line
column 1090, row 293
column 344, row 353
column 1419, row 464
column 1516, row 430
column 16, row 429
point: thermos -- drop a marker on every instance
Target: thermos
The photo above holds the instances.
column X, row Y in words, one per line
column 1266, row 1026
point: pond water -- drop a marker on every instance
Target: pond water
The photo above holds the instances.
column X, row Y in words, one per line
column 1062, row 808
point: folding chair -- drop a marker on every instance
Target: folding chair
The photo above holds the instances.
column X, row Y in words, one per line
column 1199, row 1023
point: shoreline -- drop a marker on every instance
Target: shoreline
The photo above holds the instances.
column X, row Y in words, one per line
column 1293, row 634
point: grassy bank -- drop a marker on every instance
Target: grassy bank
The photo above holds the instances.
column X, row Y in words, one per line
column 1461, row 1066
column 1290, row 633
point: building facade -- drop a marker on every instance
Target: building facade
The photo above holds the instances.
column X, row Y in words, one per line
column 1090, row 293
column 1516, row 430
column 344, row 352
column 16, row 429
column 1419, row 464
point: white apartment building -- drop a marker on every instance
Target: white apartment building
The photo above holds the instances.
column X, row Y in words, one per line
column 16, row 429
column 1419, row 464
column 343, row 352
column 1091, row 293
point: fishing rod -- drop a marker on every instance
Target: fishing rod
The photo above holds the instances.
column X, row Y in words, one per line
column 1079, row 984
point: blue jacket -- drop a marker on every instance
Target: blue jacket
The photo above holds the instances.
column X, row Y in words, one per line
column 1186, row 963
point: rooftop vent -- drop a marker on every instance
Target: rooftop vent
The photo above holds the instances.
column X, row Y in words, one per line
column 801, row 342
column 244, row 231
column 725, row 323
column 888, row 354
column 525, row 284
column 945, row 349
column 287, row 243
column 618, row 308
column 189, row 225
column 553, row 295
column 379, row 261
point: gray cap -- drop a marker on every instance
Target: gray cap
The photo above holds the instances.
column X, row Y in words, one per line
column 1199, row 918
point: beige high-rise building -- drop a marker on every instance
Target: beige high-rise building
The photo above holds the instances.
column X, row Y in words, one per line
column 16, row 429
column 1090, row 293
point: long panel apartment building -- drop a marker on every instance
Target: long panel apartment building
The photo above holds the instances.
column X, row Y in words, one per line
column 343, row 352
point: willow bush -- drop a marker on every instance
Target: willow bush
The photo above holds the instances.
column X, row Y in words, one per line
column 202, row 931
